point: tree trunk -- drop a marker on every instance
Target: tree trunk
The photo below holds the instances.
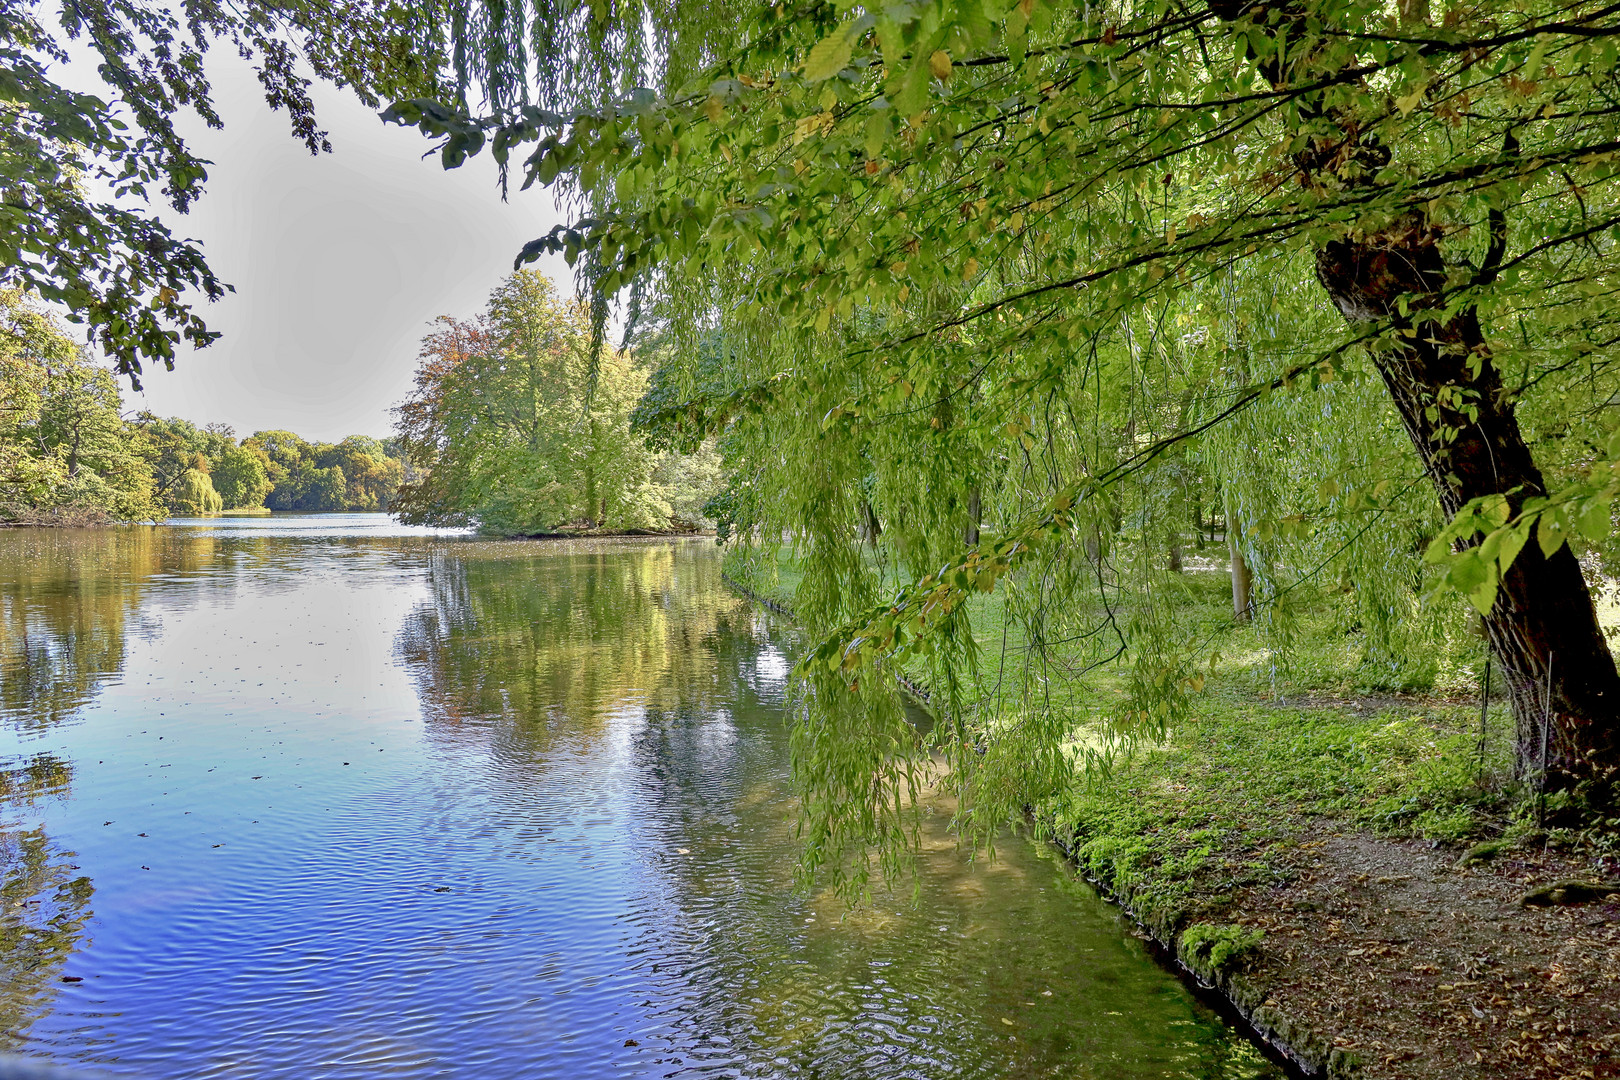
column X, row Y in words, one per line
column 870, row 527
column 593, row 499
column 590, row 496
column 1543, row 629
column 1175, row 556
column 975, row 515
column 1242, row 579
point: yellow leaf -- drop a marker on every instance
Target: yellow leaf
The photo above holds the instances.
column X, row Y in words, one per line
column 714, row 109
column 970, row 269
column 940, row 64
column 1170, row 234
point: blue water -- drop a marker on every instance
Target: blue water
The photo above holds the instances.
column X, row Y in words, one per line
column 351, row 800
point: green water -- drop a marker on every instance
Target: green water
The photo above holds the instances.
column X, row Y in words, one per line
column 328, row 797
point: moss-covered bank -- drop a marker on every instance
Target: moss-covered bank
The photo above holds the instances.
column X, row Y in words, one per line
column 1346, row 868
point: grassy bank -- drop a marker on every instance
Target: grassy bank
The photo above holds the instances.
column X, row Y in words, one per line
column 1262, row 838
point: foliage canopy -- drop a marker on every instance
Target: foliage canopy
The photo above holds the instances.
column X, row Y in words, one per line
column 513, row 428
column 1052, row 271
column 75, row 170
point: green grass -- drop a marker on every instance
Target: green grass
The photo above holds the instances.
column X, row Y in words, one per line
column 1220, row 802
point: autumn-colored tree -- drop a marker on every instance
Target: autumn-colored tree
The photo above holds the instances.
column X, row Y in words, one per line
column 514, row 429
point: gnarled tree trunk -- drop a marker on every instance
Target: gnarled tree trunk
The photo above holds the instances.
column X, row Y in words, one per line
column 1543, row 627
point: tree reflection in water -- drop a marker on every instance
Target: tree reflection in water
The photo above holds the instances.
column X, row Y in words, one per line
column 624, row 698
column 43, row 902
column 63, row 625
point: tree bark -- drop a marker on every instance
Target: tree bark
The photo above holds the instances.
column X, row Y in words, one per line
column 870, row 527
column 975, row 515
column 1543, row 628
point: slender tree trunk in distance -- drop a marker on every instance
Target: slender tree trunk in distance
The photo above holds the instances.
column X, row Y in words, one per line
column 975, row 513
column 1543, row 627
column 1242, row 579
column 870, row 527
column 593, row 501
column 1175, row 556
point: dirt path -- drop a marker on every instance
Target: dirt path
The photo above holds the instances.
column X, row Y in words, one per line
column 1423, row 969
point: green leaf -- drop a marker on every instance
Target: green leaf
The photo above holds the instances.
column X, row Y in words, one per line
column 1468, row 571
column 1511, row 543
column 877, row 133
column 912, row 96
column 831, row 54
column 1594, row 521
column 1495, row 509
column 1551, row 532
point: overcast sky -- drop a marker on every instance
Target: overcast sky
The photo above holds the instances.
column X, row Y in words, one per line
column 340, row 262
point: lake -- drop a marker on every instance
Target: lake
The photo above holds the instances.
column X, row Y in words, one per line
column 325, row 796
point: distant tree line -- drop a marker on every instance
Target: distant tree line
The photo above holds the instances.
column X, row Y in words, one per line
column 199, row 470
column 69, row 455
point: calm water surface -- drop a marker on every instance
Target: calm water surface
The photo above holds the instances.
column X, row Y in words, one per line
column 330, row 797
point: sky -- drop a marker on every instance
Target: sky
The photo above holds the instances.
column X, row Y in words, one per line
column 340, row 262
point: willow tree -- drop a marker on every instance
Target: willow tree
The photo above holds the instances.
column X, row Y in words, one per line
column 977, row 206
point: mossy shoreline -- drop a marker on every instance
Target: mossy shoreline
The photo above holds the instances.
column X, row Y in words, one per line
column 1303, row 863
column 1219, row 986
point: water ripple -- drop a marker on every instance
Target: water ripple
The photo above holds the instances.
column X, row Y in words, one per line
column 367, row 805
